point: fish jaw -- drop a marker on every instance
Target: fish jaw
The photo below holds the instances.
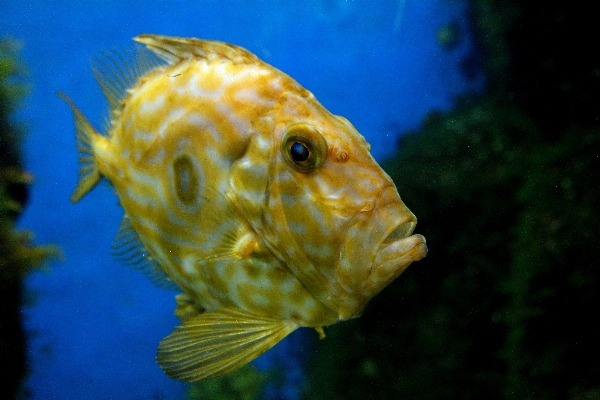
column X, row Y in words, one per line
column 392, row 259
column 378, row 247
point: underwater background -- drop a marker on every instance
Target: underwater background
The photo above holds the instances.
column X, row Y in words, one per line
column 483, row 113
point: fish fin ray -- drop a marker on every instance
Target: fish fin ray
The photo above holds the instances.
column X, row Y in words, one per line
column 128, row 249
column 212, row 344
column 86, row 136
column 227, row 230
column 118, row 70
column 175, row 49
column 227, row 246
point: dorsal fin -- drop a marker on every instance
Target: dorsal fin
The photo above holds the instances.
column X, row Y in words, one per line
column 118, row 70
column 129, row 249
column 175, row 49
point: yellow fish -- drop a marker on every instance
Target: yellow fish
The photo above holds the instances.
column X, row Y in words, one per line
column 241, row 190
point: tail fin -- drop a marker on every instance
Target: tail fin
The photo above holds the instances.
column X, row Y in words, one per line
column 87, row 137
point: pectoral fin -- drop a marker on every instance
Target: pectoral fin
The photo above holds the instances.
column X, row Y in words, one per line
column 214, row 343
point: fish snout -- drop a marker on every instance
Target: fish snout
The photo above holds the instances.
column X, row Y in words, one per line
column 379, row 245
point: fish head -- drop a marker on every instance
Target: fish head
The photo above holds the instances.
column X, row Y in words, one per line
column 341, row 224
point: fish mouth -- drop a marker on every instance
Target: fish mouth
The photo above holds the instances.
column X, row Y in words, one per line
column 398, row 249
column 400, row 232
column 379, row 245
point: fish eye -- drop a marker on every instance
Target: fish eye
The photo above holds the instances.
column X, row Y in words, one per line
column 303, row 147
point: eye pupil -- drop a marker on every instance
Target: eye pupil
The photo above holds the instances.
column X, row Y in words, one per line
column 299, row 152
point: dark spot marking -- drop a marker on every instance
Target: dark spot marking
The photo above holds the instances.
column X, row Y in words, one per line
column 186, row 179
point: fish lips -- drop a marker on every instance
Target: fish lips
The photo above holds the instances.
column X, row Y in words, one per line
column 397, row 251
column 379, row 246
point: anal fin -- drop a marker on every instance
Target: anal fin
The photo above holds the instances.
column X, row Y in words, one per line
column 128, row 248
column 214, row 343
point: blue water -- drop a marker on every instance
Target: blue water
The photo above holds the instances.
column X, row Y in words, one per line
column 93, row 324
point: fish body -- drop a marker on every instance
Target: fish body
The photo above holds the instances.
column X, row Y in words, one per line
column 241, row 190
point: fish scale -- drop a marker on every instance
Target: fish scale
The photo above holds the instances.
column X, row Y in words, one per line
column 265, row 210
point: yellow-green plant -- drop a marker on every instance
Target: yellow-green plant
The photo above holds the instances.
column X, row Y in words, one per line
column 18, row 255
